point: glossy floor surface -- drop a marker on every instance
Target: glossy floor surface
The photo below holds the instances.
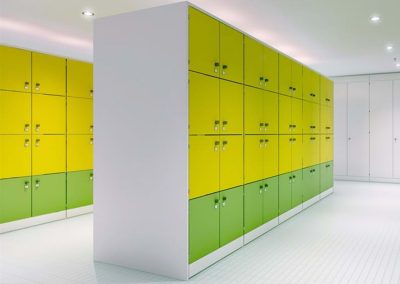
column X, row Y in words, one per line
column 352, row 236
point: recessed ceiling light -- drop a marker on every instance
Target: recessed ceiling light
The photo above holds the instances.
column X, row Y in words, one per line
column 389, row 47
column 375, row 19
column 88, row 13
column 398, row 65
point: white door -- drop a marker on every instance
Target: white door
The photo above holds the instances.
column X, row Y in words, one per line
column 340, row 127
column 396, row 129
column 381, row 129
column 358, row 129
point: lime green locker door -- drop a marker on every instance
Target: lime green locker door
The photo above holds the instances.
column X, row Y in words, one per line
column 15, row 156
column 48, row 114
column 253, row 63
column 231, row 108
column 203, row 226
column 316, row 180
column 270, row 112
column 308, row 192
column 253, row 111
column 203, row 43
column 297, row 152
column 285, row 115
column 297, row 188
column 48, row 154
column 271, row 156
column 285, row 192
column 79, row 189
column 231, row 161
column 270, row 199
column 285, row 153
column 297, row 116
column 231, row 215
column 329, row 174
column 79, row 79
column 203, row 104
column 15, row 69
column 15, row 113
column 285, row 75
column 48, row 194
column 271, row 69
column 297, row 80
column 253, row 206
column 231, row 54
column 253, row 158
column 15, row 199
column 79, row 116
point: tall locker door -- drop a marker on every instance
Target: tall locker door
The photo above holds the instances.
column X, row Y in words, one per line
column 15, row 113
column 285, row 115
column 297, row 152
column 203, row 43
column 79, row 79
column 285, row 75
column 381, row 129
column 231, row 108
column 307, row 183
column 48, row 114
column 79, row 152
column 203, row 104
column 297, row 188
column 358, row 129
column 308, row 84
column 48, row 154
column 253, row 63
column 285, row 153
column 308, row 149
column 231, row 54
column 285, row 192
column 48, row 74
column 271, row 156
column 79, row 116
column 271, row 199
column 253, row 111
column 326, row 148
column 231, row 161
column 315, row 180
column 325, row 119
column 253, row 157
column 271, row 69
column 341, row 142
column 271, row 115
column 15, row 71
column 297, row 80
column 297, row 116
column 15, row 156
column 203, row 165
column 203, row 226
column 316, row 118
column 307, row 117
column 253, row 205
column 396, row 129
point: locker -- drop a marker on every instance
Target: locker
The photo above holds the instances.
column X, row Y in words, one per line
column 326, row 152
column 297, row 152
column 15, row 71
column 79, row 152
column 253, row 111
column 311, row 146
column 326, row 92
column 79, row 79
column 270, row 112
column 253, row 157
column 297, row 188
column 231, row 161
column 311, row 180
column 15, row 199
column 326, row 123
column 285, row 153
column 285, row 75
column 285, row 192
column 15, row 156
column 285, row 115
column 253, row 206
column 270, row 199
column 79, row 189
column 231, row 108
column 297, row 80
column 311, row 123
column 270, row 68
column 253, row 63
column 48, row 114
column 326, row 170
column 15, row 113
column 311, row 85
column 297, row 116
column 79, row 116
column 48, row 154
column 48, row 74
column 271, row 156
column 231, row 54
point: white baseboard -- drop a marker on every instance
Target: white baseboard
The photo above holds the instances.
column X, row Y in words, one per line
column 32, row 221
column 311, row 201
column 351, row 178
column 260, row 230
column 79, row 211
column 215, row 256
column 289, row 214
column 326, row 193
column 388, row 180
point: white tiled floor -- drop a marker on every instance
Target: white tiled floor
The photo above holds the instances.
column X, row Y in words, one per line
column 352, row 236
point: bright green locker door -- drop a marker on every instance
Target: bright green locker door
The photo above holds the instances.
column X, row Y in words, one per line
column 297, row 188
column 253, row 63
column 79, row 189
column 285, row 75
column 307, row 183
column 203, row 226
column 270, row 199
column 48, row 194
column 285, row 115
column 231, row 107
column 231, row 53
column 253, row 111
column 15, row 199
column 253, row 206
column 231, row 215
column 271, row 70
column 203, row 43
column 285, row 193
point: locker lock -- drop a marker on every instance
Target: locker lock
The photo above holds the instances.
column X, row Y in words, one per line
column 26, row 86
column 91, row 176
column 91, row 128
column 224, row 201
column 266, row 80
column 224, row 143
column 26, row 127
column 265, row 187
column 26, row 143
column 37, row 142
column 216, row 125
column 224, row 67
column 224, row 124
column 37, row 86
column 91, row 93
column 26, row 185
column 216, row 67
column 262, row 125
column 261, row 80
column 37, row 184
column 91, row 141
column 216, row 203
column 261, row 189
column 37, row 127
column 216, row 146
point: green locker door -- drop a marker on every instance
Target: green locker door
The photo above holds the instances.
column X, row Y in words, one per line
column 270, row 199
column 231, row 215
column 324, row 177
column 297, row 188
column 285, row 193
column 48, row 194
column 253, row 63
column 79, row 189
column 203, row 226
column 15, row 199
column 231, row 52
column 307, row 183
column 315, row 181
column 329, row 174
column 253, row 205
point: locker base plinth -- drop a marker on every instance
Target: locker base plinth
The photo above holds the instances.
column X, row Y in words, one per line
column 326, row 193
column 79, row 211
column 311, row 201
column 289, row 214
column 250, row 236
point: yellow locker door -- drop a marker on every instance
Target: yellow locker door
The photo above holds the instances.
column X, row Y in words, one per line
column 285, row 115
column 253, row 63
column 48, row 154
column 271, row 69
column 316, row 118
column 231, row 53
column 297, row 80
column 79, row 116
column 231, row 107
column 231, row 161
column 297, row 116
column 203, row 104
column 308, row 84
column 323, row 91
column 325, row 126
column 285, row 153
column 329, row 119
column 285, row 75
column 329, row 100
column 15, row 69
column 317, row 87
column 307, row 117
column 271, row 156
column 79, row 152
column 48, row 74
column 204, row 154
column 308, row 146
column 326, row 146
column 297, row 152
column 203, row 43
column 253, row 157
column 253, row 111
column 271, row 113
column 15, row 113
column 15, row 156
column 79, row 79
column 48, row 114
column 316, row 150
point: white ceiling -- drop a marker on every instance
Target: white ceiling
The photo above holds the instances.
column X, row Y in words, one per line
column 334, row 37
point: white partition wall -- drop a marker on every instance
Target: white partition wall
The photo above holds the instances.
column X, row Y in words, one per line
column 396, row 129
column 340, row 124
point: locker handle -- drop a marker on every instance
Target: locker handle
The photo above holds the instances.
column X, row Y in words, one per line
column 37, row 127
column 261, row 80
column 266, row 124
column 265, row 187
column 91, row 128
column 294, row 139
column 26, row 185
column 216, row 202
column 293, row 179
column 294, row 125
column 327, row 100
column 26, row 127
column 266, row 140
column 224, row 143
column 294, row 89
column 290, row 88
column 91, row 141
column 312, row 138
column 327, row 137
column 216, row 65
column 262, row 125
column 37, row 184
column 224, row 124
column 266, row 80
column 37, row 143
column 312, row 95
column 37, row 86
column 261, row 143
column 327, row 127
column 261, row 189
column 290, row 179
column 91, row 176
column 224, row 67
column 26, row 85
column 224, row 201
column 312, row 126
column 91, row 93
column 327, row 166
column 26, row 143
column 216, row 125
column 216, row 146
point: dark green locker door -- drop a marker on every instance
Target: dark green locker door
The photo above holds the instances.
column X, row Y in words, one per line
column 231, row 215
column 253, row 201
column 285, row 193
column 203, row 226
column 297, row 188
column 48, row 194
column 79, row 189
column 271, row 199
column 15, row 199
